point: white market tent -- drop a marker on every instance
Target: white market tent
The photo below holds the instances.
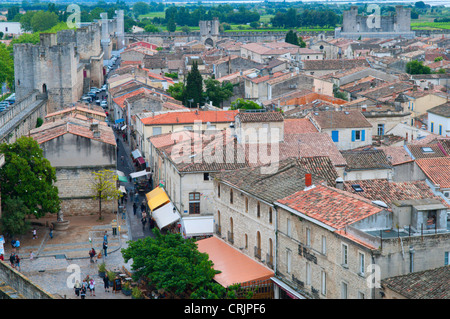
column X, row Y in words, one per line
column 165, row 215
column 197, row 226
column 139, row 174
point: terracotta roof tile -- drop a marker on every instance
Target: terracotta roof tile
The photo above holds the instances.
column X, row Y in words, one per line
column 249, row 117
column 340, row 119
column 389, row 192
column 427, row 284
column 437, row 170
column 331, row 206
column 190, row 117
column 366, row 159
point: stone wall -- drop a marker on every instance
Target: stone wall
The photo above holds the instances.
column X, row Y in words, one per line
column 429, row 253
column 21, row 117
column 240, row 225
column 19, row 283
column 293, row 242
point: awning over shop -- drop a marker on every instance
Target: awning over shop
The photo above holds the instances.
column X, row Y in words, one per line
column 119, row 121
column 139, row 174
column 165, row 215
column 289, row 291
column 122, row 177
column 156, row 198
column 123, row 127
column 122, row 189
column 197, row 226
column 141, row 160
column 136, row 153
column 235, row 266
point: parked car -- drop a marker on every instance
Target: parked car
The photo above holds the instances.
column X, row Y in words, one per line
column 2, row 108
column 104, row 104
column 98, row 101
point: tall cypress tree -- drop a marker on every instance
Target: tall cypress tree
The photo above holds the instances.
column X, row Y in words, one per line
column 194, row 86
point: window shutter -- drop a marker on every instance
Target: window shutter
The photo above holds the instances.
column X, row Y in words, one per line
column 353, row 135
column 335, row 136
column 363, row 135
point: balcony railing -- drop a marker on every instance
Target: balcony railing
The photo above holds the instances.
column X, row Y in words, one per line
column 257, row 252
column 230, row 237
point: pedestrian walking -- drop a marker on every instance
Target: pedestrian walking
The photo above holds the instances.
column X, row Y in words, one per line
column 122, row 159
column 105, row 248
column 31, row 256
column 77, row 288
column 143, row 220
column 105, row 237
column 143, row 207
column 92, row 254
column 92, row 286
column 51, row 231
column 17, row 244
column 83, row 292
column 17, row 262
column 134, row 208
column 2, row 258
column 106, row 283
column 12, row 260
column 34, row 233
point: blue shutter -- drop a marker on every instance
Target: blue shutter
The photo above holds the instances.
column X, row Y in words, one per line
column 353, row 135
column 363, row 135
column 335, row 136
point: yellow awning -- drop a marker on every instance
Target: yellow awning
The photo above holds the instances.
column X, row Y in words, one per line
column 156, row 198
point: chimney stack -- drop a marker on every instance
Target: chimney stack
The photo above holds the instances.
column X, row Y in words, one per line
column 340, row 183
column 308, row 180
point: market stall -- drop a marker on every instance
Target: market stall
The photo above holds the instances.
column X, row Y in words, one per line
column 165, row 215
column 157, row 198
column 198, row 226
column 142, row 180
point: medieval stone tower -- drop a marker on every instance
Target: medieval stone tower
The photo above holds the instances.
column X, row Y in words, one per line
column 376, row 26
column 63, row 65
column 209, row 31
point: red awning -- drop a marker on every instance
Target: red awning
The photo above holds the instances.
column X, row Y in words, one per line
column 141, row 160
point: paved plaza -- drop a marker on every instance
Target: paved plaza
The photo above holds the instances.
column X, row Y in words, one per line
column 57, row 261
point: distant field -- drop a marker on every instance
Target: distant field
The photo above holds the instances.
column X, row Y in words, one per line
column 153, row 15
column 430, row 25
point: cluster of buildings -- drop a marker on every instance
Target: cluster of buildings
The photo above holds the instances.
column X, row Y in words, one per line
column 341, row 177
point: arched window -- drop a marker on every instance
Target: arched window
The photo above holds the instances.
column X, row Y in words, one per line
column 258, row 245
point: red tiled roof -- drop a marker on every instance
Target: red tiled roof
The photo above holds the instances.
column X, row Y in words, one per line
column 190, row 117
column 437, row 170
column 298, row 126
column 331, row 206
column 75, row 126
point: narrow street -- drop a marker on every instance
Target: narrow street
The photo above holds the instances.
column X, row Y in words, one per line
column 135, row 229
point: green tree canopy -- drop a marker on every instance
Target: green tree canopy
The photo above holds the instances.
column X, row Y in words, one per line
column 291, row 37
column 218, row 92
column 417, row 67
column 194, row 86
column 140, row 8
column 43, row 20
column 29, row 176
column 178, row 92
column 244, row 105
column 171, row 25
column 151, row 28
column 14, row 215
column 104, row 187
column 173, row 263
column 6, row 66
